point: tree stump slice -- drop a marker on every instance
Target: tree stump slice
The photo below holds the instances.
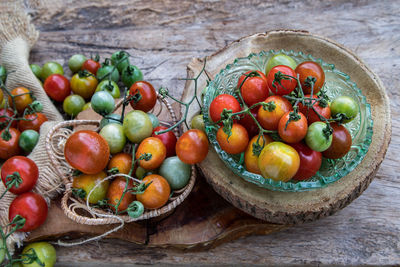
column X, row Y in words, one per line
column 296, row 207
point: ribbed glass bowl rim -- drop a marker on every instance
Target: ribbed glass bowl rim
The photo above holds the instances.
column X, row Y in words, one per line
column 289, row 186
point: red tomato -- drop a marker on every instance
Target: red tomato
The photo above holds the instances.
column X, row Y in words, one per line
column 57, row 87
column 295, row 130
column 269, row 119
column 310, row 161
column 286, row 84
column 91, row 66
column 192, row 146
column 27, row 170
column 222, row 102
column 254, row 89
column 87, row 151
column 10, row 148
column 248, row 123
column 341, row 142
column 30, row 206
column 32, row 122
column 310, row 69
column 168, row 139
column 236, row 143
column 310, row 113
column 149, row 96
column 4, row 121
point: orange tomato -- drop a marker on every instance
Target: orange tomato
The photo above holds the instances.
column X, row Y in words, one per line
column 121, row 161
column 250, row 159
column 295, row 131
column 32, row 122
column 192, row 146
column 156, row 148
column 269, row 119
column 115, row 191
column 157, row 194
column 22, row 101
column 237, row 142
column 10, row 148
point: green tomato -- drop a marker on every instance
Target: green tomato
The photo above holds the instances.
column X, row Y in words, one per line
column 37, row 70
column 37, row 106
column 102, row 103
column 109, row 86
column 2, row 251
column 113, row 133
column 344, row 105
column 110, row 118
column 45, row 252
column 3, row 74
column 73, row 104
column 17, row 264
column 104, row 71
column 176, row 172
column 87, row 106
column 122, row 57
column 140, row 173
column 198, row 123
column 280, row 59
column 154, row 120
column 75, row 62
column 3, row 103
column 318, row 137
column 130, row 75
column 28, row 140
column 50, row 68
column 137, row 126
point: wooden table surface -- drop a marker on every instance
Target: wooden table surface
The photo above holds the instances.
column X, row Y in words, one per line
column 163, row 36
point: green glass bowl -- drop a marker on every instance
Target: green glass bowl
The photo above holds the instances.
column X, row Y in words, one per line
column 336, row 82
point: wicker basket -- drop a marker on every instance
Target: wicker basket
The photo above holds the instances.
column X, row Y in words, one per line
column 77, row 209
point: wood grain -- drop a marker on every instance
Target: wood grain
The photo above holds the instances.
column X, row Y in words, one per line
column 163, row 37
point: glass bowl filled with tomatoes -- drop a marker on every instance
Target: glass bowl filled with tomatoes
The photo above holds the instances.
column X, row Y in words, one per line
column 287, row 121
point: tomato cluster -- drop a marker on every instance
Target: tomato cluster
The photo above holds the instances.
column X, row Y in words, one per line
column 282, row 120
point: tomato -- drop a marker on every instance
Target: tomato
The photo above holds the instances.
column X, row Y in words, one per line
column 4, row 121
column 168, row 139
column 121, row 161
column 57, row 87
column 22, row 101
column 280, row 59
column 198, row 123
column 295, row 130
column 269, row 117
column 2, row 251
column 75, row 62
column 103, row 73
column 73, row 104
column 157, row 194
column 1, row 96
column 345, row 105
column 220, row 103
column 310, row 69
column 341, row 142
column 236, row 143
column 192, row 146
column 32, row 122
column 310, row 161
column 113, row 133
column 137, row 126
column 87, row 151
column 281, row 85
column 91, row 66
column 88, row 105
column 50, row 68
column 45, row 252
column 83, row 84
column 36, row 69
column 10, row 148
column 278, row 161
column 120, row 59
column 176, row 172
column 27, row 171
column 115, row 191
column 318, row 137
column 156, row 148
column 247, row 122
column 102, row 103
column 154, row 120
column 250, row 158
column 323, row 109
column 130, row 75
column 110, row 118
column 110, row 87
column 140, row 173
column 30, row 206
column 254, row 89
column 149, row 96
column 88, row 181
column 28, row 140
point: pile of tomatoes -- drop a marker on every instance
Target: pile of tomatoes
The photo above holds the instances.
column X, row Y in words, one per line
column 283, row 121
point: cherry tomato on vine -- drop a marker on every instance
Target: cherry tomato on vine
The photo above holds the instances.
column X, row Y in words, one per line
column 192, row 146
column 120, row 59
column 148, row 96
column 319, row 137
column 221, row 102
column 176, row 172
column 280, row 59
column 4, row 121
column 341, row 142
column 83, row 84
column 50, row 68
column 28, row 140
column 278, row 161
column 10, row 148
column 198, row 123
column 91, row 66
column 315, row 72
column 279, row 81
column 88, row 181
column 103, row 73
column 110, row 87
column 22, row 101
column 137, row 126
column 111, row 118
column 237, row 142
column 277, row 107
column 250, row 158
column 254, row 89
column 87, row 151
column 121, row 161
column 115, row 192
column 76, row 62
column 32, row 122
column 157, row 194
column 346, row 106
column 73, row 104
column 130, row 75
column 57, row 87
column 27, row 171
column 168, row 139
column 295, row 130
column 322, row 108
column 102, row 103
column 113, row 133
column 156, row 148
column 30, row 206
column 45, row 252
column 247, row 122
column 310, row 161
